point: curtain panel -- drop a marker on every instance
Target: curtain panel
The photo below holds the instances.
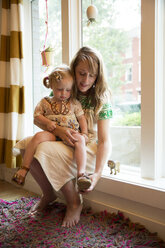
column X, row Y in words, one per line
column 12, row 107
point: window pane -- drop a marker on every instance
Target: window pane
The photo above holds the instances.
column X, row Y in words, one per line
column 41, row 39
column 116, row 34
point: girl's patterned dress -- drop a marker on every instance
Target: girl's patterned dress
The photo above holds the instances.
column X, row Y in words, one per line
column 65, row 114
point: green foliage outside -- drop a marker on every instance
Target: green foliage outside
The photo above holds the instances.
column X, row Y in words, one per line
column 128, row 119
column 111, row 42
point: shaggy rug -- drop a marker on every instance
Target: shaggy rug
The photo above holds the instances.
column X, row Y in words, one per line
column 103, row 229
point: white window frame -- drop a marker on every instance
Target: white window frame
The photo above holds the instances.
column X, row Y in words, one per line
column 71, row 28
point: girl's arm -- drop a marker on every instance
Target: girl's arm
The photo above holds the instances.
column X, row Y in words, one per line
column 64, row 133
column 45, row 122
column 103, row 151
column 83, row 124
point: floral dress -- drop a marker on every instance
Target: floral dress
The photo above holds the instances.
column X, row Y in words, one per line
column 57, row 159
column 65, row 114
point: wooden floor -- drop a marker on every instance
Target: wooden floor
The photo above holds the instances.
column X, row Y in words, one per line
column 10, row 192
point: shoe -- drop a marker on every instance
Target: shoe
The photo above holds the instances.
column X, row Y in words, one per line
column 83, row 182
column 20, row 180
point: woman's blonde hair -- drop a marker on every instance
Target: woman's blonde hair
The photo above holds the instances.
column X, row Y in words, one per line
column 56, row 75
column 96, row 66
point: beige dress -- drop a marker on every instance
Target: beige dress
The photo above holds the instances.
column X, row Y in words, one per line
column 57, row 159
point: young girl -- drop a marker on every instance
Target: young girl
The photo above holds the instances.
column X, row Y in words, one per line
column 64, row 111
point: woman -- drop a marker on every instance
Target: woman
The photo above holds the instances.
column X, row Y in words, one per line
column 54, row 167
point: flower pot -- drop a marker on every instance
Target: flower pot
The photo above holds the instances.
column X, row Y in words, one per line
column 91, row 13
column 47, row 58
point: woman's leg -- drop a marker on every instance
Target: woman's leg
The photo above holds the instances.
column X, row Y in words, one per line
column 46, row 188
column 71, row 196
column 74, row 205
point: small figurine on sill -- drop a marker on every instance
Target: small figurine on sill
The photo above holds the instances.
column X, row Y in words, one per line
column 114, row 166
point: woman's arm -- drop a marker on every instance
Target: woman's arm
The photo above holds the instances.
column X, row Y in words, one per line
column 103, row 151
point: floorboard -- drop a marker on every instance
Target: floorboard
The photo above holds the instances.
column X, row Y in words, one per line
column 11, row 192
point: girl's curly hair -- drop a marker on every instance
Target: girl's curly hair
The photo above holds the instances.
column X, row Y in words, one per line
column 56, row 75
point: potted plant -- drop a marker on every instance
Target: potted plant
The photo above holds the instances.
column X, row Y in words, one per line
column 47, row 56
column 91, row 14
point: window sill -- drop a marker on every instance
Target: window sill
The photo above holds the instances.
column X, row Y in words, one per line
column 132, row 188
column 131, row 175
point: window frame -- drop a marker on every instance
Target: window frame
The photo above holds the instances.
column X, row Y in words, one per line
column 151, row 163
column 73, row 34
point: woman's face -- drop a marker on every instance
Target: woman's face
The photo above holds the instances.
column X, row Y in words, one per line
column 84, row 79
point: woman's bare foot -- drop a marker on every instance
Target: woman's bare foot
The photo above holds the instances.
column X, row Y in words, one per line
column 42, row 204
column 72, row 216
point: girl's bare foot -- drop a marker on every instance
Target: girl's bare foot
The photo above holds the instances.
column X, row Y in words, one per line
column 72, row 216
column 42, row 204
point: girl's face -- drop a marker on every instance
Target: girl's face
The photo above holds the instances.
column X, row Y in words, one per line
column 62, row 89
column 84, row 79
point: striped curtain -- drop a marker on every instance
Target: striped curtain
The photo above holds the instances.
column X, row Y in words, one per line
column 11, row 80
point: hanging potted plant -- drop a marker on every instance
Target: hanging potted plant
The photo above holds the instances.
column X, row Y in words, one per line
column 47, row 56
column 91, row 14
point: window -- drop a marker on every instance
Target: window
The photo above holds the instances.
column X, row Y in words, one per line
column 116, row 34
column 142, row 95
column 128, row 74
column 43, row 39
column 128, row 53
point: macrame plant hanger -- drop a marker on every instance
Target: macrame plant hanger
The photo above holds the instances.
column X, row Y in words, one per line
column 91, row 13
column 47, row 53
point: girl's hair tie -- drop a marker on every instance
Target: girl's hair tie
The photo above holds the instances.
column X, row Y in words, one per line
column 46, row 82
column 57, row 75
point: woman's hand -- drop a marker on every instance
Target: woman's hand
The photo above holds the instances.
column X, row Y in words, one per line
column 66, row 135
column 94, row 178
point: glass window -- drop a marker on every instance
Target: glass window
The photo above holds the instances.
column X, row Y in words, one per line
column 128, row 74
column 46, row 23
column 116, row 34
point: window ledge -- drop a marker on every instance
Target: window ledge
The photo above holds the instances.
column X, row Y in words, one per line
column 131, row 175
column 129, row 186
